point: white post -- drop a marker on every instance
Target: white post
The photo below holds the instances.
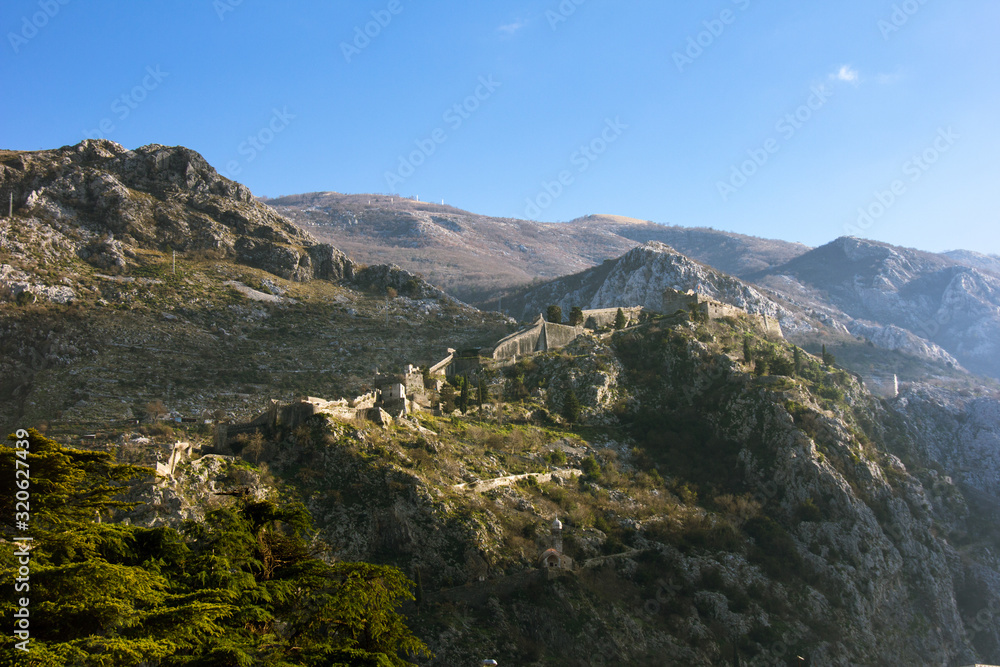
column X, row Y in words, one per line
column 10, row 213
column 174, row 267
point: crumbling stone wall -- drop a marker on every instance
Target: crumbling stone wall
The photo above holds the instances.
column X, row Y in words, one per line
column 605, row 317
column 558, row 335
column 674, row 300
column 539, row 337
column 520, row 343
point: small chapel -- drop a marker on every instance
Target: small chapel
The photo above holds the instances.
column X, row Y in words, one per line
column 553, row 557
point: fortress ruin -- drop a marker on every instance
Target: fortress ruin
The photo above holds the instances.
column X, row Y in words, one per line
column 692, row 302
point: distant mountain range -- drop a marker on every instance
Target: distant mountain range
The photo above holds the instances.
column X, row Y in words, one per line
column 477, row 257
column 943, row 308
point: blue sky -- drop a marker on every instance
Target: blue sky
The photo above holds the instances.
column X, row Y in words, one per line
column 799, row 121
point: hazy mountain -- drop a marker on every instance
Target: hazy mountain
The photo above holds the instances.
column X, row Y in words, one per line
column 932, row 296
column 735, row 254
column 467, row 254
column 976, row 260
column 639, row 278
column 475, row 256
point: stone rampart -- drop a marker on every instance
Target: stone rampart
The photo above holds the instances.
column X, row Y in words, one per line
column 520, row 343
column 559, row 335
column 884, row 386
column 441, row 367
column 605, row 317
column 674, row 300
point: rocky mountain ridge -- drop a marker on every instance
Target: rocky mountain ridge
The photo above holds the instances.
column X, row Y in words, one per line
column 476, row 256
column 106, row 202
column 731, row 515
column 639, row 278
column 124, row 275
column 951, row 306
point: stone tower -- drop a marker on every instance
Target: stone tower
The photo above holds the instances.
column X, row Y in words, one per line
column 557, row 535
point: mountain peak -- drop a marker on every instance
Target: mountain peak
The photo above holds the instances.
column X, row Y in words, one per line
column 109, row 201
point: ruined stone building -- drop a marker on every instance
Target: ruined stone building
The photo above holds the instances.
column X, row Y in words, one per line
column 553, row 557
column 691, row 301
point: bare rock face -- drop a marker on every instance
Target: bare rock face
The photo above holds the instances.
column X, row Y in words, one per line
column 639, row 278
column 959, row 433
column 162, row 198
column 389, row 276
column 950, row 302
column 892, row 337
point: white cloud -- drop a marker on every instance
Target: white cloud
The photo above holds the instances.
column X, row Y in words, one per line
column 847, row 74
column 510, row 28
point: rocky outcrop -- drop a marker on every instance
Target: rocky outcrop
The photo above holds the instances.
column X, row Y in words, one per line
column 18, row 286
column 109, row 201
column 957, row 433
column 382, row 277
column 892, row 337
column 639, row 278
column 950, row 305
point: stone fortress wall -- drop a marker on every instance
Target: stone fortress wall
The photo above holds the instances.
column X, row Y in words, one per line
column 605, row 317
column 674, row 300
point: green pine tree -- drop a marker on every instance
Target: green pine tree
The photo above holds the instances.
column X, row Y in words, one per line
column 463, row 399
column 620, row 321
column 214, row 594
column 571, row 407
column 576, row 316
column 554, row 314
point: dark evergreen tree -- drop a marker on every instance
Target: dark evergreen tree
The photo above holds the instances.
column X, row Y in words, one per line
column 571, row 407
column 216, row 594
column 554, row 314
column 463, row 398
column 620, row 321
column 576, row 316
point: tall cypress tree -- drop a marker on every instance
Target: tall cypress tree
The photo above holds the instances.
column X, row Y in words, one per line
column 620, row 321
column 571, row 407
column 463, row 399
